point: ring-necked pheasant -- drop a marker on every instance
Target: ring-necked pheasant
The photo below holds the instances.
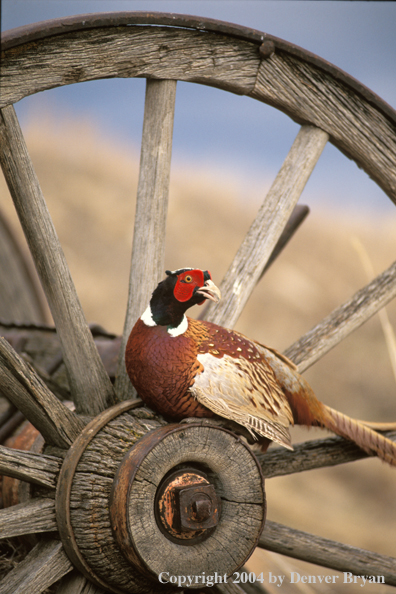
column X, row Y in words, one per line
column 182, row 368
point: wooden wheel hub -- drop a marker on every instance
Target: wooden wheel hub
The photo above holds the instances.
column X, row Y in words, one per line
column 187, row 485
column 132, row 500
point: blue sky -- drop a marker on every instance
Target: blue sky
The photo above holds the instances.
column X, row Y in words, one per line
column 233, row 134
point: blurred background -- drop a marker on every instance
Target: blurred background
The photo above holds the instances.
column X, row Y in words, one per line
column 84, row 141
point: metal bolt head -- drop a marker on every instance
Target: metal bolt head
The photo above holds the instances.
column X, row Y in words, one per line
column 199, row 507
column 202, row 508
column 187, row 507
column 266, row 49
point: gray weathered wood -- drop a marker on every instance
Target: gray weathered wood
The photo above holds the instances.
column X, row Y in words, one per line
column 308, row 93
column 263, row 235
column 90, row 385
column 90, row 495
column 298, row 215
column 20, row 295
column 344, row 320
column 34, row 516
column 148, row 251
column 238, row 484
column 151, row 52
column 75, row 583
column 302, row 88
column 30, row 467
column 300, row 212
column 44, row 565
column 235, row 475
column 318, row 453
column 23, row 387
column 327, row 553
column 41, row 346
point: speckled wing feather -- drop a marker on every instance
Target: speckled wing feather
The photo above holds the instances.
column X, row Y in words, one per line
column 236, row 382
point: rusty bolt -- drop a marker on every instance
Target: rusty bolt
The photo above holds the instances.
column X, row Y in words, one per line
column 198, row 507
column 266, row 49
column 187, row 506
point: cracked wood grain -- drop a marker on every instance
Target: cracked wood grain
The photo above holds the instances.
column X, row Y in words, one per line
column 31, row 517
column 30, row 467
column 45, row 564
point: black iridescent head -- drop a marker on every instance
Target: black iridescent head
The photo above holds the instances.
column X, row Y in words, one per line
column 180, row 290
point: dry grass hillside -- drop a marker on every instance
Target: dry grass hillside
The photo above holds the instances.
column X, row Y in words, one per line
column 90, row 184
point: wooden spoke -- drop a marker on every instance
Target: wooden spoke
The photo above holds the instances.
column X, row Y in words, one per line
column 90, row 385
column 300, row 212
column 29, row 466
column 148, row 251
column 298, row 216
column 325, row 552
column 324, row 99
column 318, row 453
column 343, row 320
column 23, row 387
column 264, row 234
column 75, row 583
column 31, row 517
column 45, row 564
column 11, row 424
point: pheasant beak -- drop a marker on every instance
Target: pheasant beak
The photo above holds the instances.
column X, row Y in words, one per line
column 210, row 291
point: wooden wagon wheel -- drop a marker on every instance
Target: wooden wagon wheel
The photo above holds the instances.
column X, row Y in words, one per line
column 90, row 464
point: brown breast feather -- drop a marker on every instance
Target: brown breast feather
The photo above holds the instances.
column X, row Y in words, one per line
column 162, row 369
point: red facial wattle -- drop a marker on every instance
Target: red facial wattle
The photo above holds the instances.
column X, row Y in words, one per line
column 187, row 282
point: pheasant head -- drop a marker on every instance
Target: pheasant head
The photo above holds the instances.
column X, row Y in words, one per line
column 180, row 290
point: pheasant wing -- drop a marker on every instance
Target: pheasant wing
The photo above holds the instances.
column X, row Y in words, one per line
column 246, row 392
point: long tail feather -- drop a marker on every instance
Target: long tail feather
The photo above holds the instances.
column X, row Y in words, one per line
column 370, row 441
column 379, row 426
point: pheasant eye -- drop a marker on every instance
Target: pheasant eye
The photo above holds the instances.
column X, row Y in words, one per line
column 188, row 279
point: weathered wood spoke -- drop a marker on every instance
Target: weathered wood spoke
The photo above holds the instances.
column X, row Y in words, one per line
column 311, row 94
column 90, row 385
column 299, row 214
column 318, row 453
column 44, row 565
column 75, row 583
column 264, row 234
column 344, row 320
column 29, row 466
column 31, row 517
column 23, row 387
column 327, row 553
column 297, row 217
column 148, row 251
